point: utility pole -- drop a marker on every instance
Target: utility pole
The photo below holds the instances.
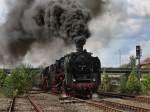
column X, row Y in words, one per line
column 138, row 57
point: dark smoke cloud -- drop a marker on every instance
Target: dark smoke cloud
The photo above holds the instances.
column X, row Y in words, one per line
column 36, row 21
column 96, row 6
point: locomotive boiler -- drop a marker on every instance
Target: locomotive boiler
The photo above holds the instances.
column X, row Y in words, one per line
column 77, row 74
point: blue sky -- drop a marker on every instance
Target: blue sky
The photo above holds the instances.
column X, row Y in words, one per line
column 125, row 24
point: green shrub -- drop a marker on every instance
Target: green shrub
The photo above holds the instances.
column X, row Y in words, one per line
column 132, row 63
column 19, row 82
column 133, row 83
column 123, row 83
column 8, row 87
column 114, row 88
column 2, row 78
column 146, row 83
column 106, row 83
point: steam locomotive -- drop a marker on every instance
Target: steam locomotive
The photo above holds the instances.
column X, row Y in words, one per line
column 77, row 73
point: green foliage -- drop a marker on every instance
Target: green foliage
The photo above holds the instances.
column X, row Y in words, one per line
column 8, row 88
column 106, row 83
column 2, row 77
column 133, row 85
column 114, row 88
column 123, row 83
column 132, row 63
column 1, row 93
column 124, row 66
column 19, row 82
column 146, row 83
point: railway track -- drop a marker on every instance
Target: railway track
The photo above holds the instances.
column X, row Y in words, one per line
column 54, row 103
column 91, row 103
column 21, row 104
column 48, row 103
column 44, row 102
column 123, row 107
column 5, row 104
column 141, row 99
column 106, row 106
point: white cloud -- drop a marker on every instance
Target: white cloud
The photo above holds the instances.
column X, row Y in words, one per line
column 139, row 7
column 3, row 11
column 119, row 29
column 145, row 49
column 110, row 25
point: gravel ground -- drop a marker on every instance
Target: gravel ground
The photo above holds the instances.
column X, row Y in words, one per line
column 80, row 107
column 51, row 103
column 23, row 105
column 128, row 102
column 4, row 104
column 48, row 103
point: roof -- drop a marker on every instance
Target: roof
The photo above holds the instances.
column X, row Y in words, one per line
column 146, row 62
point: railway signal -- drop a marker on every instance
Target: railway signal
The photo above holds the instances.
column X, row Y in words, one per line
column 138, row 52
column 138, row 57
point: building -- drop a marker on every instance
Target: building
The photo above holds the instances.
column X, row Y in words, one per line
column 145, row 63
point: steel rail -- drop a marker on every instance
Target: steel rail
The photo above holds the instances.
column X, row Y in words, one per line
column 126, row 97
column 91, row 103
column 12, row 104
column 37, row 108
column 107, row 106
column 124, row 106
column 143, row 99
column 103, row 107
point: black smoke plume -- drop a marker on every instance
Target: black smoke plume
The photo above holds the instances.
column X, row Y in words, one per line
column 42, row 21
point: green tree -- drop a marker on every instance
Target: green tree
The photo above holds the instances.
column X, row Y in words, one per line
column 124, row 66
column 123, row 83
column 8, row 88
column 133, row 83
column 146, row 83
column 132, row 63
column 2, row 77
column 106, row 83
column 19, row 82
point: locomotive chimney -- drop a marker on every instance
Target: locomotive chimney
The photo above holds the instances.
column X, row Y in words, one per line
column 80, row 42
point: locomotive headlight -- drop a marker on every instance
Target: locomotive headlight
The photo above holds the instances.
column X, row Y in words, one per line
column 94, row 80
column 74, row 80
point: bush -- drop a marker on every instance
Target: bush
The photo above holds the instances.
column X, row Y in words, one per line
column 106, row 83
column 146, row 83
column 133, row 83
column 2, row 77
column 123, row 83
column 19, row 82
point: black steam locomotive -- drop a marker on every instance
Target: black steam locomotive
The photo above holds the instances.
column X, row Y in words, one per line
column 77, row 74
